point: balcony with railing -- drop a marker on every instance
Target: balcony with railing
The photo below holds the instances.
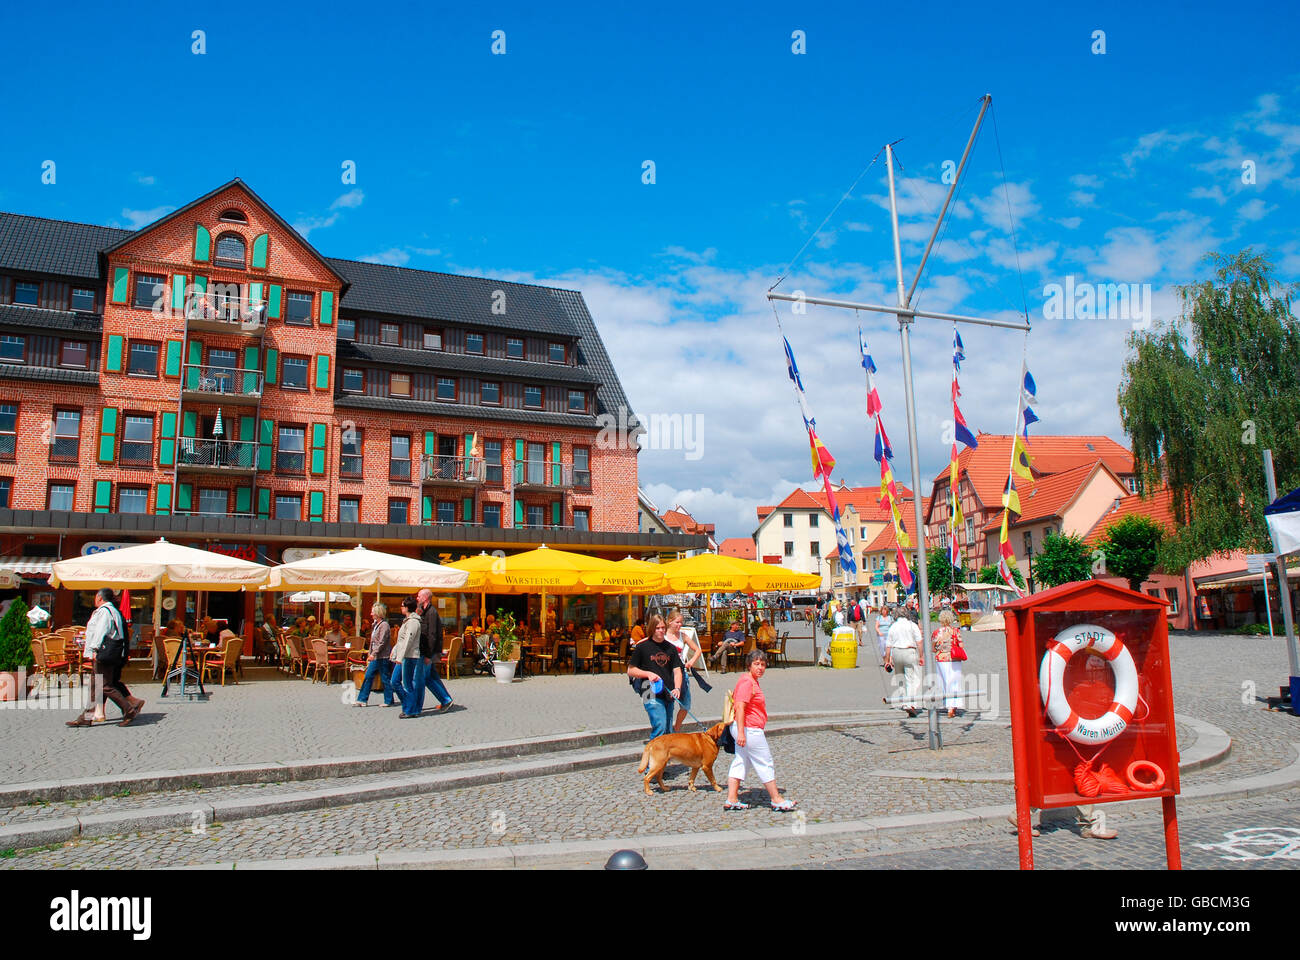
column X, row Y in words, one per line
column 542, row 475
column 452, row 471
column 215, row 312
column 213, row 513
column 216, row 455
column 237, row 385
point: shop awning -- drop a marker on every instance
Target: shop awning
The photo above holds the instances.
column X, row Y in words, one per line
column 27, row 566
column 1238, row 578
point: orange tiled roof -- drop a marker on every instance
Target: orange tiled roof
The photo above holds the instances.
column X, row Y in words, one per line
column 1158, row 505
column 764, row 511
column 1050, row 495
column 987, row 464
column 688, row 524
column 885, row 539
column 742, row 547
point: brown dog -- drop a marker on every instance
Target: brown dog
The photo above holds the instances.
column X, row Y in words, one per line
column 696, row 750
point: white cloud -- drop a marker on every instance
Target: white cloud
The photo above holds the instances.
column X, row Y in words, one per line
column 1214, row 193
column 1081, row 198
column 350, row 200
column 142, row 218
column 993, row 208
column 1253, row 210
column 1086, row 180
column 144, row 180
column 1070, row 223
column 394, row 257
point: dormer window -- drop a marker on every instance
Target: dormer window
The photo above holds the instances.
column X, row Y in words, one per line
column 233, row 216
column 230, row 250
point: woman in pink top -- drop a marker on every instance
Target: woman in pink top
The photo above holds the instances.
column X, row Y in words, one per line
column 752, row 752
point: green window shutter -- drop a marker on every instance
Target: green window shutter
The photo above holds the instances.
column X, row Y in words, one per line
column 557, row 469
column 264, row 447
column 430, row 443
column 322, row 371
column 555, row 513
column 246, row 431
column 259, row 251
column 426, row 511
column 113, row 356
column 202, row 244
column 178, row 291
column 519, row 513
column 318, row 433
column 200, row 285
column 316, row 505
column 469, row 447
column 272, row 365
column 172, row 367
column 167, row 441
column 185, row 497
column 189, row 423
column 162, row 501
column 467, row 509
column 263, row 504
column 193, row 363
column 244, row 500
column 326, row 307
column 519, row 449
column 273, row 308
column 121, row 284
column 103, row 496
column 250, row 365
column 107, row 434
column 254, row 293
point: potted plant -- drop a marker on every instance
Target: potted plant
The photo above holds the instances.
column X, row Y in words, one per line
column 505, row 630
column 16, row 657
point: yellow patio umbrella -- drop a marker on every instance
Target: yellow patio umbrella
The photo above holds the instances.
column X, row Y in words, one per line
column 545, row 571
column 710, row 573
column 478, row 568
column 630, row 574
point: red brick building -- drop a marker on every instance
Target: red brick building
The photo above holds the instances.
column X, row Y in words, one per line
column 212, row 374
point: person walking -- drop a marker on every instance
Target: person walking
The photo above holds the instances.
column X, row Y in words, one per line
column 947, row 645
column 656, row 659
column 377, row 662
column 106, row 644
column 903, row 652
column 431, row 653
column 689, row 652
column 883, row 623
column 408, row 683
column 748, row 728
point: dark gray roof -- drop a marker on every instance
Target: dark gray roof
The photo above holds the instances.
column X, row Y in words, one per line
column 404, row 292
column 591, row 353
column 471, row 363
column 18, row 316
column 467, row 411
column 18, row 371
column 37, row 245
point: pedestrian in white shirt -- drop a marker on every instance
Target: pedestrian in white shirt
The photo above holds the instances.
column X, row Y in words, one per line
column 904, row 653
column 107, row 645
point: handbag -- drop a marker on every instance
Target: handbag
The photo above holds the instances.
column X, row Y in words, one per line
column 958, row 653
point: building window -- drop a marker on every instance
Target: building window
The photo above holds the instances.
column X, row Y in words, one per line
column 288, row 507
column 789, row 548
column 533, row 397
column 514, row 348
column 432, row 339
column 221, row 366
column 293, row 373
column 446, row 388
column 1048, row 531
column 1171, row 594
column 67, row 436
column 390, row 334
column 398, row 511
column 399, row 384
column 233, row 216
column 213, row 503
column 350, row 460
column 132, row 499
column 577, row 401
column 1029, row 542
column 291, row 456
column 490, row 393
column 970, row 532
column 9, row 431
column 813, row 519
column 137, row 441
column 74, row 353
column 536, row 515
column 27, row 294
column 230, row 250
column 349, row 510
column 13, row 348
column 446, row 511
column 297, row 309
column 556, row 353
column 1132, row 484
column 143, row 360
column 492, row 515
column 347, row 328
column 148, row 291
column 354, row 381
column 6, row 485
column 581, row 519
column 61, row 496
column 83, row 300
column 492, row 458
column 581, row 467
column 815, row 548
column 227, row 300
column 474, row 343
column 399, row 459
column 787, row 519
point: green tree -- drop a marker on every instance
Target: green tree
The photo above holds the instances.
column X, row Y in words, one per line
column 1063, row 559
column 990, row 574
column 16, row 639
column 1201, row 398
column 1131, row 547
column 939, row 571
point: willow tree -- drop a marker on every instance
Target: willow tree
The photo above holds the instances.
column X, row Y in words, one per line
column 1202, row 398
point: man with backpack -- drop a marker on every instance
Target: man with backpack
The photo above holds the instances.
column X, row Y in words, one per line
column 107, row 645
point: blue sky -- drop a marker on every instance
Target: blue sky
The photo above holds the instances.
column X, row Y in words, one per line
column 1123, row 167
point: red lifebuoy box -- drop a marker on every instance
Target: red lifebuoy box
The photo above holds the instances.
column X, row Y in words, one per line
column 1092, row 710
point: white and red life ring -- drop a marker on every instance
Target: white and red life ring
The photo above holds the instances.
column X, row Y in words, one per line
column 1067, row 643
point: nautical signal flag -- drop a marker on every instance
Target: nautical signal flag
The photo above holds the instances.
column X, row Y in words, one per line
column 1021, row 461
column 963, row 432
column 1028, row 395
column 822, row 461
column 1010, row 500
column 958, row 349
column 869, row 365
column 904, row 572
column 883, row 450
column 791, row 367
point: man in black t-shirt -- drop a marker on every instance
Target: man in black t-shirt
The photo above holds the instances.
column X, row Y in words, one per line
column 656, row 659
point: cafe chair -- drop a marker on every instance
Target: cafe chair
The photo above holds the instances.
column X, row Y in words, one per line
column 453, row 657
column 584, row 651
column 226, row 659
column 323, row 663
